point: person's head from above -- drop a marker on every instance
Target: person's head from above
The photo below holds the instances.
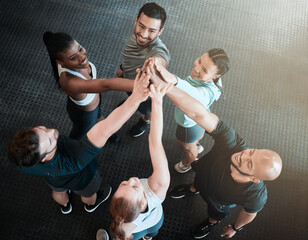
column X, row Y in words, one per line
column 149, row 23
column 30, row 146
column 211, row 65
column 255, row 165
column 126, row 204
column 64, row 50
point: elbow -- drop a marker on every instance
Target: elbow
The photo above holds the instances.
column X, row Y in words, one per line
column 197, row 114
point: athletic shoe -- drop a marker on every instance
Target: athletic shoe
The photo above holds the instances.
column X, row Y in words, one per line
column 181, row 168
column 203, row 229
column 102, row 235
column 68, row 208
column 140, row 128
column 200, row 148
column 102, row 196
column 114, row 138
column 146, row 237
column 180, row 191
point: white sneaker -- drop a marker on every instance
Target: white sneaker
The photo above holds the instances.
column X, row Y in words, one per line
column 102, row 235
column 200, row 148
column 181, row 168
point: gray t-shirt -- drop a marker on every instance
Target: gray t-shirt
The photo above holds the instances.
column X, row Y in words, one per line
column 135, row 55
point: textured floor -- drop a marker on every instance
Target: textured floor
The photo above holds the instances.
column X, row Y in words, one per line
column 265, row 101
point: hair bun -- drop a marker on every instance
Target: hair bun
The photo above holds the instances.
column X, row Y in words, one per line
column 47, row 35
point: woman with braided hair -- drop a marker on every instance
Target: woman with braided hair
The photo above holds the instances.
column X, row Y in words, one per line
column 205, row 85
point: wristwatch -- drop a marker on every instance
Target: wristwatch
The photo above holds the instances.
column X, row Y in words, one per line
column 237, row 230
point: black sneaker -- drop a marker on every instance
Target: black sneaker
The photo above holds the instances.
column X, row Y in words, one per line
column 203, row 229
column 139, row 128
column 180, row 191
column 68, row 208
column 114, row 138
column 102, row 196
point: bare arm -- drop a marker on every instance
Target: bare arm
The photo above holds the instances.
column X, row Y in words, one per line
column 160, row 61
column 101, row 131
column 160, row 179
column 193, row 109
column 242, row 219
column 189, row 105
column 79, row 85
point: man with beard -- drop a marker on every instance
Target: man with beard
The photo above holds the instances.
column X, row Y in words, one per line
column 143, row 43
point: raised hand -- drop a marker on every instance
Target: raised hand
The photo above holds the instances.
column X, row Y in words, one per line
column 157, row 92
column 165, row 74
column 141, row 83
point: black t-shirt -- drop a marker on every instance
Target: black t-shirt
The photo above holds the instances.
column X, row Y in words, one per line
column 213, row 175
column 73, row 165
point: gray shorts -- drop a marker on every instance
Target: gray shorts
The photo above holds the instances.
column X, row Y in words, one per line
column 88, row 191
column 189, row 135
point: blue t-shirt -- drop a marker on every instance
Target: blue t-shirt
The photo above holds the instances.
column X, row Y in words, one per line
column 72, row 167
column 205, row 92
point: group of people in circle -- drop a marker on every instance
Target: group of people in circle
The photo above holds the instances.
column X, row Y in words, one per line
column 69, row 164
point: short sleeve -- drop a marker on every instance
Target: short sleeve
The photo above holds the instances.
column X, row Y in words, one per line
column 255, row 201
column 226, row 139
column 160, row 51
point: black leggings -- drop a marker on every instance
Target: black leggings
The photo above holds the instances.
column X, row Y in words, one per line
column 83, row 121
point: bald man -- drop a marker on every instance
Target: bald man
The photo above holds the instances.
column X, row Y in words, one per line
column 229, row 174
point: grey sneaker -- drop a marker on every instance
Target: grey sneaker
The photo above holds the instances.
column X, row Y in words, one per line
column 200, row 148
column 181, row 168
column 102, row 235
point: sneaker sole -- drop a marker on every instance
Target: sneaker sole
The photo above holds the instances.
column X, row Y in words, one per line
column 177, row 197
column 137, row 135
column 180, row 170
column 184, row 195
column 92, row 210
column 71, row 209
column 201, row 236
column 200, row 149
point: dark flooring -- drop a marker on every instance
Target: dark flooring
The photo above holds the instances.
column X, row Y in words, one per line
column 265, row 101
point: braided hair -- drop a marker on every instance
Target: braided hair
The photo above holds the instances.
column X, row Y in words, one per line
column 56, row 43
column 221, row 61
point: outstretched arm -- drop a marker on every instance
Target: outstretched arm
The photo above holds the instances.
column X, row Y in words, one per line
column 79, row 85
column 101, row 131
column 193, row 109
column 242, row 219
column 160, row 179
column 189, row 105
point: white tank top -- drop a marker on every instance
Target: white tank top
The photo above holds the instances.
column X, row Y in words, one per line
column 90, row 96
column 154, row 211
